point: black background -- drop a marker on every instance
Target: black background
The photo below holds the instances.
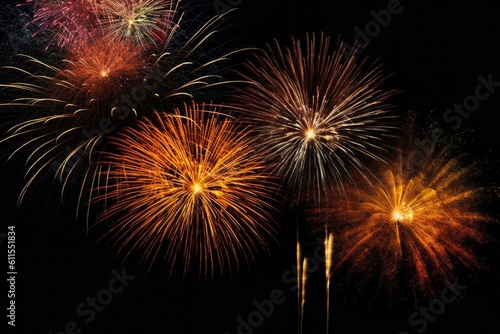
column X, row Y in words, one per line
column 436, row 51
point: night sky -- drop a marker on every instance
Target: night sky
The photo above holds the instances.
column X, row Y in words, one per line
column 436, row 54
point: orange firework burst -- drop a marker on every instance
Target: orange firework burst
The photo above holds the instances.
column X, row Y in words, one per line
column 410, row 230
column 319, row 113
column 189, row 185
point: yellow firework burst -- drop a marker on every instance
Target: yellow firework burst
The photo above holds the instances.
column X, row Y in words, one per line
column 319, row 113
column 410, row 232
column 189, row 187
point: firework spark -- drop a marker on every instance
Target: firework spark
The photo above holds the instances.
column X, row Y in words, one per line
column 318, row 114
column 410, row 231
column 188, row 184
column 194, row 63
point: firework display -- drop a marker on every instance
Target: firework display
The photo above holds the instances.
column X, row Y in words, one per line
column 183, row 159
column 102, row 83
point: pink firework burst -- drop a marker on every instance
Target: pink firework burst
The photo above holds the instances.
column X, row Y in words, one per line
column 70, row 22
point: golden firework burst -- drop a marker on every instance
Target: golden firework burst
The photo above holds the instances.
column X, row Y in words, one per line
column 319, row 113
column 410, row 232
column 190, row 187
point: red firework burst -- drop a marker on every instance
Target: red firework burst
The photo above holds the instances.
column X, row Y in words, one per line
column 97, row 74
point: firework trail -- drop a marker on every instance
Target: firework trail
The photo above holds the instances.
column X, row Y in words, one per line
column 299, row 285
column 405, row 233
column 318, row 113
column 302, row 292
column 188, row 186
column 328, row 273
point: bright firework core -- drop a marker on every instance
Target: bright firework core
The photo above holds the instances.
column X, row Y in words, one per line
column 104, row 73
column 196, row 188
column 402, row 214
column 310, row 133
